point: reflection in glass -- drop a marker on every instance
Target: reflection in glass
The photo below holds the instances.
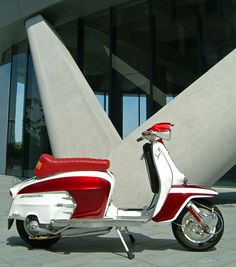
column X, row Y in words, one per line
column 134, row 112
column 175, row 44
column 16, row 110
column 96, row 61
column 5, row 75
column 69, row 35
column 129, row 57
column 35, row 133
column 103, row 100
column 20, row 98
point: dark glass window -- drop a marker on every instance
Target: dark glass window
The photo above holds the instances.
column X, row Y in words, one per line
column 27, row 134
column 35, row 133
column 130, row 57
column 96, row 55
column 134, row 112
column 5, row 76
column 103, row 100
column 175, row 43
column 69, row 35
column 16, row 110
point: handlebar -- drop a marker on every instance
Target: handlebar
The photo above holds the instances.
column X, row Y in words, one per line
column 159, row 130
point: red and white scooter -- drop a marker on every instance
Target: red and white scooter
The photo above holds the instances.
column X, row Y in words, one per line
column 73, row 197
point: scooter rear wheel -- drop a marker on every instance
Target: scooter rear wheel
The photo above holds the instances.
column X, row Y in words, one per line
column 36, row 242
column 190, row 233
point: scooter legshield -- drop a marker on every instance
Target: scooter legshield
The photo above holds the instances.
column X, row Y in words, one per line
column 177, row 199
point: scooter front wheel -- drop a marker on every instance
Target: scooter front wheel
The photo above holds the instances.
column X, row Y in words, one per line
column 191, row 234
column 34, row 241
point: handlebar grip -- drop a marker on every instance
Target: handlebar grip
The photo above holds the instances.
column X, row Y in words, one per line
column 139, row 139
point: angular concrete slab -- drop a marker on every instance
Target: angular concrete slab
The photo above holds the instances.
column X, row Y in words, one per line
column 77, row 125
column 203, row 139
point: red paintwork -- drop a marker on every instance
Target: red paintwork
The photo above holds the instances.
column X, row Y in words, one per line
column 174, row 202
column 49, row 165
column 161, row 127
column 195, row 215
column 90, row 193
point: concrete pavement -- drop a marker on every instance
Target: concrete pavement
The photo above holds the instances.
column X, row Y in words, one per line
column 155, row 244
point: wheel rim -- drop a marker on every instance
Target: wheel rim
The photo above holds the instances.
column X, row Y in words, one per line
column 28, row 223
column 194, row 231
column 31, row 224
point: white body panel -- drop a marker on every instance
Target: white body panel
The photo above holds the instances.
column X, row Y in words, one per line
column 168, row 173
column 47, row 206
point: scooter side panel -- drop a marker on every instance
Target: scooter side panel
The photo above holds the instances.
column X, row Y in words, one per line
column 45, row 206
column 177, row 199
column 90, row 193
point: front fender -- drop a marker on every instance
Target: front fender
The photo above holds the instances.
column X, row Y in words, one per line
column 178, row 198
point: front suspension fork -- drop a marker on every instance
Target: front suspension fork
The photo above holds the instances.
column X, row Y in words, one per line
column 197, row 214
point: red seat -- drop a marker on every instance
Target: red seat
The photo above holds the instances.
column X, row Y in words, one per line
column 49, row 165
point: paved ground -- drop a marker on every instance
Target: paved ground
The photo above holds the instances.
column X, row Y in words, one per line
column 155, row 244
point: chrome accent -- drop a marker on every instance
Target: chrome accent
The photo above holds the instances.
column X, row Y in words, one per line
column 203, row 231
column 76, row 232
column 97, row 223
column 68, row 212
column 128, row 251
column 68, row 198
column 62, row 205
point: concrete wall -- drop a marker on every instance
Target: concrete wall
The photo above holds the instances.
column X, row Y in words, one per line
column 77, row 124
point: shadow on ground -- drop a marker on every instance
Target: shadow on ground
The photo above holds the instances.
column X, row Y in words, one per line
column 104, row 244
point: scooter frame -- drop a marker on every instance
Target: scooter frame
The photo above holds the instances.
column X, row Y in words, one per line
column 54, row 208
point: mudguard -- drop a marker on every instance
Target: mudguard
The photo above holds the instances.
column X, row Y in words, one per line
column 178, row 198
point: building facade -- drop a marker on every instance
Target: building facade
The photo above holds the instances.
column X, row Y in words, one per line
column 136, row 55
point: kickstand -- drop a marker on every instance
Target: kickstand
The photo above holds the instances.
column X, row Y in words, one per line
column 131, row 237
column 128, row 251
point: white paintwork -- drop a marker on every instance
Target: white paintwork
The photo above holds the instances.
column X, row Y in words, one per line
column 43, row 206
column 167, row 172
column 185, row 190
column 46, row 206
